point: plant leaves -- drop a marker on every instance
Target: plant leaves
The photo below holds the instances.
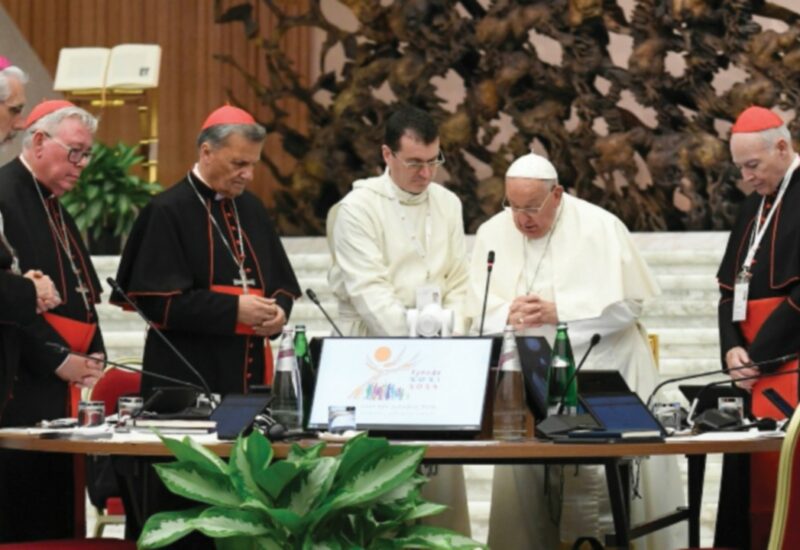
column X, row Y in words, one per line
column 391, row 470
column 249, row 456
column 425, row 509
column 275, row 478
column 226, row 522
column 422, row 536
column 313, row 486
column 166, row 527
column 188, row 450
column 299, row 454
column 358, row 453
column 189, row 481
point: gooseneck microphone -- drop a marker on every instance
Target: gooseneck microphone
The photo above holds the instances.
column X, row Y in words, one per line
column 313, row 297
column 489, row 266
column 125, row 367
column 592, row 343
column 154, row 328
column 781, row 359
column 722, row 382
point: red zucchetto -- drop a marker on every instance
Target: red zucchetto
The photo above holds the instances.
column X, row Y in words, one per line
column 756, row 119
column 45, row 108
column 4, row 63
column 228, row 114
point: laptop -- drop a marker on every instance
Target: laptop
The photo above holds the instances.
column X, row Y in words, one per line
column 413, row 387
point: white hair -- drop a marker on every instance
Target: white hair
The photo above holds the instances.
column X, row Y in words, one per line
column 5, row 76
column 772, row 135
column 49, row 123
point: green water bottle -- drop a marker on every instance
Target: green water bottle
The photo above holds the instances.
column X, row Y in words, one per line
column 562, row 382
column 308, row 374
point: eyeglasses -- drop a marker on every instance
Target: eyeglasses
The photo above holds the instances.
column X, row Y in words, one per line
column 75, row 156
column 417, row 165
column 530, row 211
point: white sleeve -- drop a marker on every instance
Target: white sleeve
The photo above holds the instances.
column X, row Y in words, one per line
column 615, row 317
column 365, row 277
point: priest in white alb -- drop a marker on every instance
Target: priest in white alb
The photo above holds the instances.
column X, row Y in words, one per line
column 561, row 259
column 397, row 239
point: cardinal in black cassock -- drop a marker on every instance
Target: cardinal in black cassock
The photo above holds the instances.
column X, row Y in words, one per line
column 38, row 499
column 196, row 251
column 762, row 255
column 206, row 265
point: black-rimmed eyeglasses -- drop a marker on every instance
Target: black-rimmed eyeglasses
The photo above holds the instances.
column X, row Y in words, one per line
column 74, row 155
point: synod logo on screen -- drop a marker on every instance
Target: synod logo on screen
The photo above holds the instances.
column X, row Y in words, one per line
column 395, row 376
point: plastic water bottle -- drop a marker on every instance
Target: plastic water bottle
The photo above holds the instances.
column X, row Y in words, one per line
column 509, row 392
column 287, row 396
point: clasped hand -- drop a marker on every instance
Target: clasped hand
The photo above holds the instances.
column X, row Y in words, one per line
column 530, row 311
column 81, row 371
column 47, row 297
column 263, row 314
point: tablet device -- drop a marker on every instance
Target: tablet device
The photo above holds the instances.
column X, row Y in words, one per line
column 623, row 413
column 535, row 357
column 236, row 413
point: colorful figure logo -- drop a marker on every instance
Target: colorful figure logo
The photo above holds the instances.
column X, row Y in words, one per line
column 377, row 388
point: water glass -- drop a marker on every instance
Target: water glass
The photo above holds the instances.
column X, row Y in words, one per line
column 341, row 418
column 91, row 413
column 668, row 415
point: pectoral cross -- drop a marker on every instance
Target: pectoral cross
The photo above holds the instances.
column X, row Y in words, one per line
column 83, row 291
column 243, row 281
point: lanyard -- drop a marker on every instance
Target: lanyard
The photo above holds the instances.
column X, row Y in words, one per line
column 758, row 230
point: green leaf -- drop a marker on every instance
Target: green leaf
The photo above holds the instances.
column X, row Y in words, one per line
column 248, row 457
column 405, row 490
column 189, row 481
column 393, row 469
column 166, row 527
column 313, row 486
column 288, row 519
column 188, row 450
column 425, row 509
column 358, row 453
column 227, row 522
column 300, row 454
column 421, row 536
column 275, row 478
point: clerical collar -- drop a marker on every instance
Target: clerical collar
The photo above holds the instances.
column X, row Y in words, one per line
column 205, row 189
column 44, row 189
column 406, row 198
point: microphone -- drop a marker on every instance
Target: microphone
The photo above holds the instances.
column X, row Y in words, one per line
column 313, row 297
column 592, row 343
column 154, row 328
column 781, row 359
column 722, row 382
column 489, row 266
column 125, row 367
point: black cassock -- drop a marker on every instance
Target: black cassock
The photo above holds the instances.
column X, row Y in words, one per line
column 17, row 307
column 37, row 500
column 180, row 273
column 772, row 330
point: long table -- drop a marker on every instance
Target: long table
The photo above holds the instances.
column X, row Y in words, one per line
column 615, row 457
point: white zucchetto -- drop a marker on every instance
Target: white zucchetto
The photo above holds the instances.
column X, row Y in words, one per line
column 532, row 166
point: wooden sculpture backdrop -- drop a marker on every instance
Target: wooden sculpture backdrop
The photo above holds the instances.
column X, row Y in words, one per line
column 572, row 108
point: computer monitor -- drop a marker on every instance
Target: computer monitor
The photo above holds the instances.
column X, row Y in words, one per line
column 404, row 384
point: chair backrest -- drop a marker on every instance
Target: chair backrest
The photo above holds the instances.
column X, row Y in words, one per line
column 115, row 383
column 785, row 532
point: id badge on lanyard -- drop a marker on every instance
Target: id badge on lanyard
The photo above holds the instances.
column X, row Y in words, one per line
column 740, row 290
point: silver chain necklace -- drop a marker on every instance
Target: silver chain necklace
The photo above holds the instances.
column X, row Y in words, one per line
column 62, row 237
column 529, row 283
column 238, row 260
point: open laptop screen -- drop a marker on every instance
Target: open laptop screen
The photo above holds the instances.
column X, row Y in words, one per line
column 404, row 384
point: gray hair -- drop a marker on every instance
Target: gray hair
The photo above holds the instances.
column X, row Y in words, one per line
column 49, row 123
column 217, row 135
column 8, row 73
column 773, row 135
column 550, row 184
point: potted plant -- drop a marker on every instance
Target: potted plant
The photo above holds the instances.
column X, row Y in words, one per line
column 107, row 197
column 367, row 497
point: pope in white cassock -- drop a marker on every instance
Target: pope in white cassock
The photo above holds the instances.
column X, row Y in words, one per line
column 559, row 258
column 391, row 236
